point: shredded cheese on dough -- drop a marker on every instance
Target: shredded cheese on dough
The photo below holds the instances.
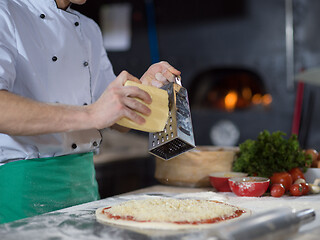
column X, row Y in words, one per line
column 172, row 210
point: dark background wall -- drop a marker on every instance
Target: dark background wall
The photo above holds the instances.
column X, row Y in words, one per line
column 250, row 34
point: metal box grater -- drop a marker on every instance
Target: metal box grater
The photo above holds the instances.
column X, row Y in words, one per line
column 177, row 136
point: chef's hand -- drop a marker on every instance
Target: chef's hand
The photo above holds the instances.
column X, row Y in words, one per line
column 118, row 101
column 159, row 74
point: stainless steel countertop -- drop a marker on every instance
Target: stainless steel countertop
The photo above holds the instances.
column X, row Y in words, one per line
column 78, row 222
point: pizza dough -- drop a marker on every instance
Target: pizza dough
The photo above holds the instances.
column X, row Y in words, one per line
column 157, row 120
column 168, row 213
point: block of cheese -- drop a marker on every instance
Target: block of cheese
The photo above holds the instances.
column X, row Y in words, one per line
column 156, row 121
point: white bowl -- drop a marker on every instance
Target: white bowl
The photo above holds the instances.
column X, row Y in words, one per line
column 311, row 174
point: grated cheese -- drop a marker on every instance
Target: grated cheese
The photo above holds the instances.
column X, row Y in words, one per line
column 172, row 210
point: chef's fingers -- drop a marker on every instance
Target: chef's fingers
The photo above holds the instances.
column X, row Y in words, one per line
column 125, row 76
column 169, row 72
column 132, row 115
column 135, row 92
column 160, row 74
column 132, row 91
column 132, row 105
column 160, row 77
column 161, row 80
column 166, row 65
column 156, row 83
column 137, row 106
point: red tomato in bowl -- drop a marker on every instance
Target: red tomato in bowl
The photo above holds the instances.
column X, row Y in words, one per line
column 296, row 173
column 283, row 178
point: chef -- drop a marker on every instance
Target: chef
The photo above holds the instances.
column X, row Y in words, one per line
column 57, row 89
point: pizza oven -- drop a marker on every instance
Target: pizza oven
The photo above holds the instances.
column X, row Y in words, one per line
column 238, row 65
column 235, row 66
column 228, row 89
column 224, row 95
column 225, row 91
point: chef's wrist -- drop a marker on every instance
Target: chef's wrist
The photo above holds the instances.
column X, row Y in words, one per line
column 93, row 117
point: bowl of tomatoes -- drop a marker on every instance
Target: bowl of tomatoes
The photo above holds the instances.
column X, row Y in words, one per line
column 292, row 182
column 249, row 186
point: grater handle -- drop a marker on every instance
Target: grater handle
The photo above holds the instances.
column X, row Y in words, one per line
column 177, row 80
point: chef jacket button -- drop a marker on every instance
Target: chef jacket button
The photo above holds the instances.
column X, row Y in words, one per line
column 74, row 146
column 85, row 64
column 76, row 24
column 54, row 58
column 95, row 144
column 42, row 15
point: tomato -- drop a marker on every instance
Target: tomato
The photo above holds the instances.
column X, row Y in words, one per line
column 277, row 190
column 296, row 173
column 314, row 156
column 305, row 188
column 296, row 190
column 283, row 178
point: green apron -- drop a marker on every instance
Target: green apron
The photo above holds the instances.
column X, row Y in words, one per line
column 35, row 186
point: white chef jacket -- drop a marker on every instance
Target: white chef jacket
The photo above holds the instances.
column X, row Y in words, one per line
column 52, row 56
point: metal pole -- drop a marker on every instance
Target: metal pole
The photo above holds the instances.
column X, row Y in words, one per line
column 289, row 44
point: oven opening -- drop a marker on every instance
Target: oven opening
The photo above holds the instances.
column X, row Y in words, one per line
column 228, row 89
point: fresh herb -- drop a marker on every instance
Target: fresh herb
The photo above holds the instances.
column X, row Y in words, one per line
column 270, row 153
